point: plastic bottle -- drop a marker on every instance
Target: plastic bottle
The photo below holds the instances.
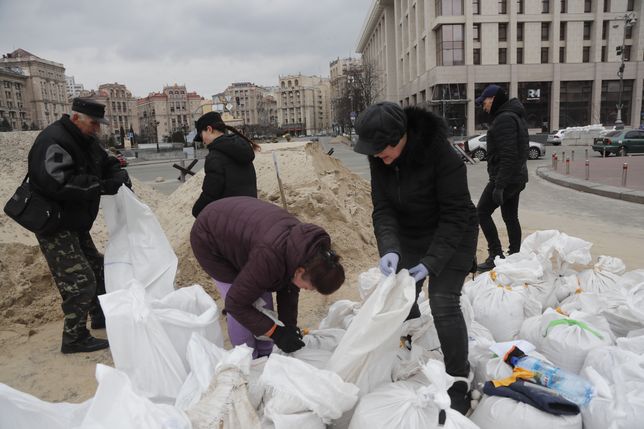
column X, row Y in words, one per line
column 571, row 386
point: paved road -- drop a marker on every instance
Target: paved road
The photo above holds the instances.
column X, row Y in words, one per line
column 148, row 173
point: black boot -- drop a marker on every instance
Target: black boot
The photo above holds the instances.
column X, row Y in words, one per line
column 459, row 394
column 488, row 264
column 98, row 322
column 87, row 344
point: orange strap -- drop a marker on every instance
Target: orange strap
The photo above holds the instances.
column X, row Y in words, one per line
column 269, row 333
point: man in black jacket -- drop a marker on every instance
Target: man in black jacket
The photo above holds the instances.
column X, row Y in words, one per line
column 423, row 218
column 507, row 154
column 66, row 164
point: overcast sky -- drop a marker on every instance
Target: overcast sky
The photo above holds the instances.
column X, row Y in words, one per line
column 204, row 44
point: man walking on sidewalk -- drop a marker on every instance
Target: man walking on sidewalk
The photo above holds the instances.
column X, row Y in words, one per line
column 507, row 154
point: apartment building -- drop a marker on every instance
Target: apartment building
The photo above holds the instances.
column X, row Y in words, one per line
column 338, row 69
column 13, row 108
column 45, row 93
column 304, row 104
column 73, row 89
column 161, row 114
column 559, row 57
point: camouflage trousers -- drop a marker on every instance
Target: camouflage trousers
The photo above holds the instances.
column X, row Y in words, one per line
column 77, row 268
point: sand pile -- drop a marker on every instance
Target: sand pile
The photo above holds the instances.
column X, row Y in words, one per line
column 318, row 189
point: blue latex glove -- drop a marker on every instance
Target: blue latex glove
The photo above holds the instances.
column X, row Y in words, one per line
column 419, row 272
column 389, row 263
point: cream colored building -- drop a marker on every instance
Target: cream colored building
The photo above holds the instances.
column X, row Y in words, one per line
column 338, row 80
column 557, row 56
column 304, row 104
column 120, row 109
column 45, row 94
column 250, row 103
column 161, row 114
column 13, row 108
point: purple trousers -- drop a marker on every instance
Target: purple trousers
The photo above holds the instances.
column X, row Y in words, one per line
column 238, row 333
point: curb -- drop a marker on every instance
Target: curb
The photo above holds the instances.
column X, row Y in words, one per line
column 608, row 191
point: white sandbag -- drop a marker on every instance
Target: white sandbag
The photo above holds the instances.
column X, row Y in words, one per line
column 186, row 311
column 19, row 410
column 625, row 311
column 117, row 405
column 529, row 270
column 304, row 395
column 610, row 264
column 562, row 250
column 368, row 281
column 494, row 412
column 633, row 342
column 367, row 352
column 599, row 281
column 479, row 341
column 633, row 278
column 318, row 348
column 137, row 247
column 140, row 345
column 405, row 405
column 605, row 360
column 566, row 341
column 340, row 314
column 502, row 309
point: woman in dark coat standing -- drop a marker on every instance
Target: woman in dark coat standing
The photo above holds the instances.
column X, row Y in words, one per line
column 423, row 218
column 229, row 163
column 251, row 249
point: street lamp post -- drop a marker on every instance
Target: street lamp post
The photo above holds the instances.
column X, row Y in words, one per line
column 629, row 20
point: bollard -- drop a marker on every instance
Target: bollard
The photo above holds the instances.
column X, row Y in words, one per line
column 552, row 160
column 563, row 156
column 182, row 175
column 587, row 170
column 586, row 157
column 568, row 166
column 624, row 173
column 572, row 156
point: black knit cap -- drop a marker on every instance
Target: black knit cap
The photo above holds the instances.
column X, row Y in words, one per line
column 378, row 126
column 211, row 118
column 90, row 108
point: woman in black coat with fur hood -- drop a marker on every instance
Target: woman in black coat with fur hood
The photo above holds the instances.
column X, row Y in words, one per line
column 424, row 219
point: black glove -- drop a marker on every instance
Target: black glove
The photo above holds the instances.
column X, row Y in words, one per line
column 497, row 196
column 288, row 338
column 123, row 177
column 110, row 186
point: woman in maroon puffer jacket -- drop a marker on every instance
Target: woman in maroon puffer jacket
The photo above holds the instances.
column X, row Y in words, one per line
column 252, row 248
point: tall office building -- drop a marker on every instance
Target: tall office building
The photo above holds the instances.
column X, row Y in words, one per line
column 559, row 57
column 304, row 104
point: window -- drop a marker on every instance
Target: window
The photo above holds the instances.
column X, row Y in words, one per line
column 519, row 6
column 476, row 7
column 545, row 31
column 545, row 6
column 588, row 6
column 519, row 55
column 562, row 31
column 564, row 9
column 586, row 54
column 604, row 59
column 503, row 56
column 606, row 5
column 604, row 30
column 503, row 32
column 449, row 7
column 476, row 56
column 587, row 29
column 544, row 55
column 503, row 7
column 450, row 47
column 562, row 54
column 519, row 31
column 627, row 53
column 476, row 32
column 628, row 32
column 630, row 5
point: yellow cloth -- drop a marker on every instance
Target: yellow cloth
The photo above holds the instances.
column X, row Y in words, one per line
column 517, row 373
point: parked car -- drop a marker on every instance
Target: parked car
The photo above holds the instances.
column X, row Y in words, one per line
column 620, row 142
column 555, row 137
column 477, row 148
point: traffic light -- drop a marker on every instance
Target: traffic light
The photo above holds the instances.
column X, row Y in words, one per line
column 619, row 50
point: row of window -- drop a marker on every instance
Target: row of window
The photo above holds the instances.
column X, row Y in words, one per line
column 16, row 85
column 456, row 8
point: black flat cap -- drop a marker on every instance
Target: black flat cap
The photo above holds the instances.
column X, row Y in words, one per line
column 90, row 108
column 211, row 118
column 378, row 126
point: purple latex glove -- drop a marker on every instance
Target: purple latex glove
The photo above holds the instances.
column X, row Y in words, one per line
column 389, row 263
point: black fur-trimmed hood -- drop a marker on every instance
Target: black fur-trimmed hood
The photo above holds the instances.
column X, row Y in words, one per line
column 425, row 130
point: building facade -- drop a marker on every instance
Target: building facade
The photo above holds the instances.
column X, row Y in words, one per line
column 338, row 69
column 251, row 104
column 162, row 114
column 45, row 95
column 13, row 84
column 559, row 57
column 304, row 104
column 120, row 108
column 73, row 89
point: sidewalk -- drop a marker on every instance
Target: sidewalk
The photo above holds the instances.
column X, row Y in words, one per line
column 605, row 177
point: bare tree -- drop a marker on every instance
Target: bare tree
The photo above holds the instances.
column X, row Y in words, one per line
column 361, row 88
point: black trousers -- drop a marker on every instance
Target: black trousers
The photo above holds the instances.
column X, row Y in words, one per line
column 510, row 213
column 444, row 292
